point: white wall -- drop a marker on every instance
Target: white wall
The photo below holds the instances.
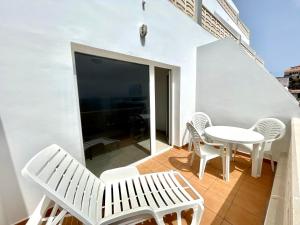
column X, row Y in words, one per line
column 12, row 206
column 37, row 84
column 234, row 90
column 214, row 6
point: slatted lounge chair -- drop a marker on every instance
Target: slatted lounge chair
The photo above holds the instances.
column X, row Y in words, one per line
column 76, row 191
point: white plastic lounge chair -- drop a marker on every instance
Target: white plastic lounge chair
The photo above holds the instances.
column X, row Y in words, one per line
column 272, row 129
column 206, row 151
column 127, row 200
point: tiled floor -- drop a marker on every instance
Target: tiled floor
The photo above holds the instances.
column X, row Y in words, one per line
column 241, row 201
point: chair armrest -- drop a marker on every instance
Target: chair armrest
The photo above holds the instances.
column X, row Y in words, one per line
column 270, row 140
column 211, row 143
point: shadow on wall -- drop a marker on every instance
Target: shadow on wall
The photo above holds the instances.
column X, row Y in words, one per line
column 234, row 90
column 12, row 206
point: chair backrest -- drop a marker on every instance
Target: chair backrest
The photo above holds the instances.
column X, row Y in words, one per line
column 272, row 129
column 196, row 137
column 67, row 182
column 200, row 121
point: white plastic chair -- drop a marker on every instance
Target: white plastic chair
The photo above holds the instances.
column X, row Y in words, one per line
column 200, row 121
column 126, row 200
column 272, row 129
column 206, row 151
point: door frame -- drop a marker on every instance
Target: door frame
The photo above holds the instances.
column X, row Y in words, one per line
column 173, row 92
column 169, row 102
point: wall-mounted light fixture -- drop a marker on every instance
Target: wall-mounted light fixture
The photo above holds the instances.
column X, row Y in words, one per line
column 143, row 30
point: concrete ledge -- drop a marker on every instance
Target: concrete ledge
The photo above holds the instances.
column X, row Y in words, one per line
column 284, row 205
column 276, row 208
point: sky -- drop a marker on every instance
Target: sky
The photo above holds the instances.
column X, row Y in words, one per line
column 274, row 31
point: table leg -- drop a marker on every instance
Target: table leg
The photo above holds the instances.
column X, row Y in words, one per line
column 230, row 152
column 227, row 162
column 260, row 160
column 255, row 160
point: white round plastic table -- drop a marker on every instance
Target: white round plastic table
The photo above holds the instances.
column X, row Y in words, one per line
column 235, row 135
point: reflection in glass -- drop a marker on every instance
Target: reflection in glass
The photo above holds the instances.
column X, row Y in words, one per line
column 114, row 109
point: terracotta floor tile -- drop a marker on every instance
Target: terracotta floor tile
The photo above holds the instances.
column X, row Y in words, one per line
column 225, row 222
column 212, row 171
column 170, row 219
column 233, row 183
column 242, row 200
column 181, row 159
column 223, row 188
column 172, row 162
column 217, row 203
column 255, row 204
column 148, row 222
column 177, row 152
column 159, row 163
column 255, row 189
column 267, row 169
column 206, row 180
column 143, row 169
column 200, row 189
column 210, row 218
column 217, row 163
column 239, row 216
column 160, row 157
column 186, row 171
column 186, row 218
column 266, row 180
column 160, row 169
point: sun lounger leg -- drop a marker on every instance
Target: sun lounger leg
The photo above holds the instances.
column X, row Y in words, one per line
column 197, row 215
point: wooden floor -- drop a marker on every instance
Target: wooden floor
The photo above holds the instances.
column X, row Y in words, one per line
column 241, row 201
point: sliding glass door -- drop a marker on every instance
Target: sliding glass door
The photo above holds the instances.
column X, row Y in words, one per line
column 114, row 109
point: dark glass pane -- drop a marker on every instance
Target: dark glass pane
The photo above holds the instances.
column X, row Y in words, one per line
column 114, row 107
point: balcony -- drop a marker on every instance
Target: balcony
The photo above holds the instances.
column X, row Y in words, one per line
column 187, row 6
column 243, row 200
column 272, row 199
column 40, row 104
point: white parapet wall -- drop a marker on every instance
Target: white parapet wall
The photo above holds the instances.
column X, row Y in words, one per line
column 284, row 205
column 234, row 90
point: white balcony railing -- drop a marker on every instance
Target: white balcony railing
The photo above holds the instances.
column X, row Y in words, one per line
column 187, row 6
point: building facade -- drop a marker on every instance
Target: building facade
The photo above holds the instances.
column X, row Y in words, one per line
column 221, row 19
column 293, row 76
